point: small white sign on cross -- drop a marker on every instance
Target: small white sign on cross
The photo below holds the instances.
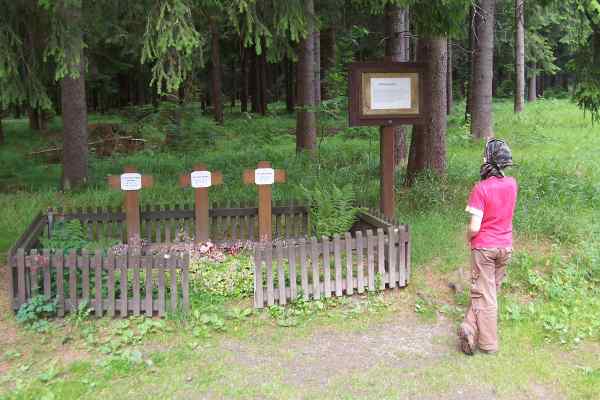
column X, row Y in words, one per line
column 200, row 179
column 264, row 176
column 131, row 181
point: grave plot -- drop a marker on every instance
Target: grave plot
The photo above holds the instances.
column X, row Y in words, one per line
column 135, row 260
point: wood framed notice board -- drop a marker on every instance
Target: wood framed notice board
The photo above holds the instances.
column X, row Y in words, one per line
column 385, row 94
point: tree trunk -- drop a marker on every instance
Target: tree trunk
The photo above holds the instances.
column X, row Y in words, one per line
column 2, row 140
column 532, row 84
column 317, row 59
column 74, row 112
column 449, row 81
column 483, row 71
column 428, row 146
column 540, row 85
column 519, row 56
column 289, row 85
column 306, row 131
column 244, row 75
column 328, row 50
column 254, row 82
column 263, row 82
column 397, row 50
column 469, row 91
column 217, row 97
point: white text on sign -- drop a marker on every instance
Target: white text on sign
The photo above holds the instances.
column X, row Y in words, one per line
column 264, row 176
column 200, row 179
column 131, row 181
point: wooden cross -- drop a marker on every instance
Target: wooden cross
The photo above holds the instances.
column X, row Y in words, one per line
column 131, row 182
column 201, row 179
column 264, row 176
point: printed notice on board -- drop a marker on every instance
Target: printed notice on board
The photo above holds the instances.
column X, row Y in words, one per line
column 200, row 179
column 390, row 93
column 264, row 176
column 131, row 181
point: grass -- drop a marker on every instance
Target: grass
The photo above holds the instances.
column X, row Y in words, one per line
column 546, row 352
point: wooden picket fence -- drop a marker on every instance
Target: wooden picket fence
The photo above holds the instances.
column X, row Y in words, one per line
column 323, row 268
column 130, row 284
column 161, row 224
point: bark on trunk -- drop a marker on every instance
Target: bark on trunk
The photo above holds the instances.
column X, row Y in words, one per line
column 263, row 82
column 2, row 140
column 428, row 146
column 532, row 96
column 449, row 81
column 469, row 91
column 74, row 113
column 244, row 83
column 483, row 71
column 397, row 50
column 317, row 58
column 328, row 50
column 289, row 85
column 519, row 56
column 306, row 131
column 217, row 97
column 254, row 81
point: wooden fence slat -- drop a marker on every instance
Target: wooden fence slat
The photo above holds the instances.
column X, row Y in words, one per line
column 304, row 269
column 110, row 268
column 147, row 262
column 360, row 262
column 381, row 258
column 349, row 266
column 326, row 267
column 160, row 265
column 83, row 263
column 316, row 276
column 172, row 261
column 123, row 277
column 407, row 256
column 34, row 272
column 402, row 258
column 292, row 269
column 338, row 264
column 281, row 274
column 269, row 266
column 259, row 301
column 20, row 277
column 47, row 266
column 134, row 261
column 185, row 288
column 97, row 265
column 72, row 266
column 58, row 260
column 392, row 265
column 371, row 260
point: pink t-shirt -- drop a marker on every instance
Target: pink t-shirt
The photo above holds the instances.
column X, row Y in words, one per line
column 494, row 200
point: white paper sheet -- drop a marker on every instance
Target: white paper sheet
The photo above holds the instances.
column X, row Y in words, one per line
column 201, row 179
column 131, row 181
column 390, row 93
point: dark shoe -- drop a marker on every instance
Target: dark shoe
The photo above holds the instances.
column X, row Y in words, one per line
column 466, row 339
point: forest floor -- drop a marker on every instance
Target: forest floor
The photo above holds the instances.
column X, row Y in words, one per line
column 398, row 344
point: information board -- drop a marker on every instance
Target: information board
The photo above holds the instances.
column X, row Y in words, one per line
column 200, row 179
column 131, row 181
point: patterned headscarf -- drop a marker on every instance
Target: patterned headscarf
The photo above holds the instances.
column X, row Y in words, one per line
column 497, row 156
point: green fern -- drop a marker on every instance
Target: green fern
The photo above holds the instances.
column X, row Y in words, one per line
column 332, row 209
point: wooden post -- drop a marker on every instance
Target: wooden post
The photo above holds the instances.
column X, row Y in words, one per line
column 264, row 177
column 201, row 179
column 131, row 182
column 388, row 198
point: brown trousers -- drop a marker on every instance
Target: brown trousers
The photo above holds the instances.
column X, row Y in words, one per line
column 488, row 271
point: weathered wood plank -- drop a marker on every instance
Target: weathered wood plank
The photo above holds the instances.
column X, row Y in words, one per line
column 83, row 263
column 337, row 256
column 280, row 273
column 269, row 266
column 185, row 286
column 33, row 272
column 303, row 269
column 316, row 275
column 110, row 268
column 360, row 262
column 292, row 269
column 371, row 260
column 392, row 264
column 160, row 265
column 97, row 265
column 72, row 266
column 123, row 277
column 381, row 258
column 407, row 256
column 59, row 260
column 349, row 266
column 259, row 301
column 326, row 267
column 402, row 258
column 134, row 261
column 47, row 266
column 147, row 265
column 172, row 261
